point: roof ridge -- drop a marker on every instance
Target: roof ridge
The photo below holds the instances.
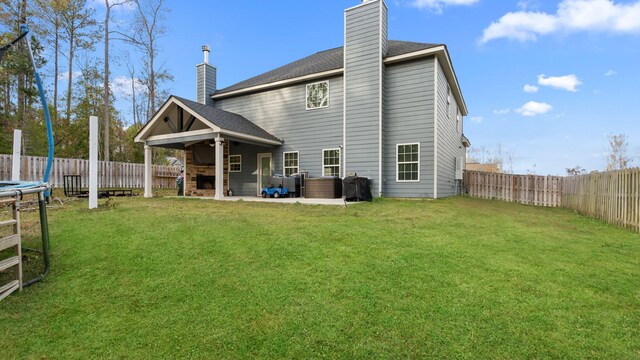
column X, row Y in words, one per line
column 318, row 62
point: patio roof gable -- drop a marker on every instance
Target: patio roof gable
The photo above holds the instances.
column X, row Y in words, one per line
column 185, row 121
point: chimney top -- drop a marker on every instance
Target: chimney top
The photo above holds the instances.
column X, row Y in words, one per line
column 205, row 51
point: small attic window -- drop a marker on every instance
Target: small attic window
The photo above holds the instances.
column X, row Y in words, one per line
column 318, row 95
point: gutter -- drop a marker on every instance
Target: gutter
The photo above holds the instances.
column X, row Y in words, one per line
column 440, row 51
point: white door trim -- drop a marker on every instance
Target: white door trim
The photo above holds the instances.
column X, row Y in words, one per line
column 259, row 169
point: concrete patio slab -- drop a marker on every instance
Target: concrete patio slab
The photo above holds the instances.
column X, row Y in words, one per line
column 305, row 201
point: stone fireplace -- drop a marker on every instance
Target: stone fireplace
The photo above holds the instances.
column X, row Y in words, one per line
column 199, row 180
column 205, row 182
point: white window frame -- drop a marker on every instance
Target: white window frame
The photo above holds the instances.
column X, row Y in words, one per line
column 306, row 95
column 458, row 120
column 239, row 163
column 398, row 163
column 284, row 166
column 326, row 166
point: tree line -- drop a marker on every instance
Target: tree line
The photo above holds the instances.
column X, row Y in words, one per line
column 71, row 44
column 617, row 154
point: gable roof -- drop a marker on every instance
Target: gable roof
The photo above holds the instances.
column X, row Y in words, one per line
column 322, row 61
column 227, row 120
column 218, row 119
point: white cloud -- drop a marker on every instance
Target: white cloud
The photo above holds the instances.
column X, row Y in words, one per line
column 566, row 82
column 119, row 5
column 527, row 4
column 533, row 108
column 121, row 85
column 611, row 72
column 437, row 5
column 571, row 16
column 530, row 89
column 476, row 119
column 64, row 75
column 502, row 111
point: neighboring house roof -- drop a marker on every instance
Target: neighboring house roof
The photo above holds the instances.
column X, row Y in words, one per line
column 320, row 62
column 492, row 168
column 227, row 120
column 174, row 161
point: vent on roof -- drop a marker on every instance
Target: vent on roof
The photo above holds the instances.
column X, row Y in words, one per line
column 206, row 51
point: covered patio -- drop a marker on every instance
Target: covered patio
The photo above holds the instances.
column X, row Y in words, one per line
column 204, row 133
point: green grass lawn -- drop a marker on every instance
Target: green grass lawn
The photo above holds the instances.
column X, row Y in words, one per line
column 454, row 278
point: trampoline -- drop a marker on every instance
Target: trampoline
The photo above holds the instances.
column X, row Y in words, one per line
column 16, row 190
column 11, row 193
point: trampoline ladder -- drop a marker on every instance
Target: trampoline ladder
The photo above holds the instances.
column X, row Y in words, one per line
column 12, row 241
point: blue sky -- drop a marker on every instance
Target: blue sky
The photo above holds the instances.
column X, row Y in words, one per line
column 578, row 59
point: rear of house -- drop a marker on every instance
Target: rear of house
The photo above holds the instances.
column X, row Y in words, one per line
column 388, row 110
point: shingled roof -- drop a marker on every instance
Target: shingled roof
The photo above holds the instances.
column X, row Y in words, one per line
column 319, row 62
column 227, row 120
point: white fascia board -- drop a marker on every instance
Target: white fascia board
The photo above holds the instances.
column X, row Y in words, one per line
column 250, row 137
column 147, row 127
column 178, row 136
column 440, row 51
column 451, row 75
column 280, row 83
column 414, row 55
column 197, row 116
column 142, row 136
column 444, row 60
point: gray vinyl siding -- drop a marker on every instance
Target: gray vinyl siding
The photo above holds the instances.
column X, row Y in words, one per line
column 199, row 83
column 282, row 112
column 384, row 29
column 449, row 139
column 363, row 36
column 202, row 95
column 245, row 182
column 211, row 83
column 409, row 108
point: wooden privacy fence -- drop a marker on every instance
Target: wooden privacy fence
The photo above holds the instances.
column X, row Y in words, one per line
column 612, row 196
column 110, row 174
column 525, row 189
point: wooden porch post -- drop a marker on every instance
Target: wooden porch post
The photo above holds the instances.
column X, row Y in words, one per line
column 219, row 181
column 147, row 171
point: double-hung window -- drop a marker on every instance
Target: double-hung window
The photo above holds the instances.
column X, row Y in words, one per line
column 408, row 162
column 318, row 95
column 235, row 163
column 291, row 161
column 331, row 162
